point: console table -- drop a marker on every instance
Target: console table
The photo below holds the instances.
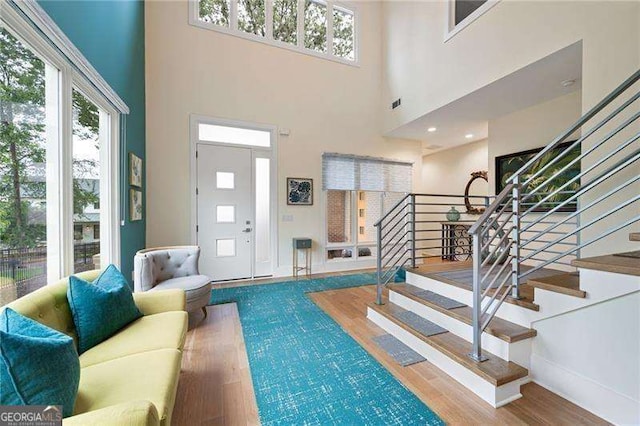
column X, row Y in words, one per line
column 303, row 245
column 456, row 241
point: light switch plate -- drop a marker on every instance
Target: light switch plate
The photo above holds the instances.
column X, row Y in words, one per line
column 287, row 218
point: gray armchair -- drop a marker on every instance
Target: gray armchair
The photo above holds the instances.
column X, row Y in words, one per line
column 165, row 268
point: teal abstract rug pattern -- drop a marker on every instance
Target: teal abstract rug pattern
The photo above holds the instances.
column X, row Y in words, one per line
column 306, row 370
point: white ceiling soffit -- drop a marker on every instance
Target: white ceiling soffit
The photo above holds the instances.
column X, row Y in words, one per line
column 536, row 83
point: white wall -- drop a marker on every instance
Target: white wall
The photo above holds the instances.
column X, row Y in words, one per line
column 531, row 128
column 591, row 357
column 428, row 72
column 447, row 172
column 327, row 106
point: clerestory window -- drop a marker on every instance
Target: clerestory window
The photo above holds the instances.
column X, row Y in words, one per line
column 316, row 27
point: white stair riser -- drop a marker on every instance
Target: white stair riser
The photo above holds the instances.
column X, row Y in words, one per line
column 495, row 396
column 597, row 284
column 514, row 313
column 606, row 285
column 518, row 352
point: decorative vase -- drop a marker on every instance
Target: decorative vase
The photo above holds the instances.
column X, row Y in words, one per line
column 453, row 215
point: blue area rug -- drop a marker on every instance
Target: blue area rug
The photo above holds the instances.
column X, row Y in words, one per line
column 306, row 370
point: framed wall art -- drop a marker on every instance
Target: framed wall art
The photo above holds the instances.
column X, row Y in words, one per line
column 299, row 192
column 135, row 205
column 135, row 170
column 567, row 169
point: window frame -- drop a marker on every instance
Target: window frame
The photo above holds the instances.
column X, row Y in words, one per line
column 232, row 29
column 451, row 29
column 270, row 153
column 355, row 244
column 65, row 70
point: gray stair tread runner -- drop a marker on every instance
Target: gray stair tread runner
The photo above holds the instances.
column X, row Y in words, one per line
column 435, row 298
column 400, row 352
column 415, row 321
column 465, row 276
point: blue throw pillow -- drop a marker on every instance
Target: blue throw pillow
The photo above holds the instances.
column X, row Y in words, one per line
column 38, row 365
column 100, row 308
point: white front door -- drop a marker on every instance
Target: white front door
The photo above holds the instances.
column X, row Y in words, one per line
column 225, row 211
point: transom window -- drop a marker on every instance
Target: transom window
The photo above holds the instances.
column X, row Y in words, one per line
column 316, row 27
column 234, row 136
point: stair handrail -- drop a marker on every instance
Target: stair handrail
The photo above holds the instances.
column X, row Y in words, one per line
column 519, row 189
column 398, row 231
column 493, row 207
column 497, row 233
column 391, row 210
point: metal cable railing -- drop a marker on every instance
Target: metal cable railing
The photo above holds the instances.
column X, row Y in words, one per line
column 412, row 230
column 547, row 208
column 546, row 214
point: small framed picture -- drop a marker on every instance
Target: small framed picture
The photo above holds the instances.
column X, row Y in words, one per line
column 135, row 170
column 135, row 205
column 299, row 192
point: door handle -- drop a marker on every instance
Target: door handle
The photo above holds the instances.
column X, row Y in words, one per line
column 246, row 230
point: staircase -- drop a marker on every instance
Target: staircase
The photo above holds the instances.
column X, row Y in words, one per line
column 529, row 260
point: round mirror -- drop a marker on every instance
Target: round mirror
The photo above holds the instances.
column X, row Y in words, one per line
column 478, row 185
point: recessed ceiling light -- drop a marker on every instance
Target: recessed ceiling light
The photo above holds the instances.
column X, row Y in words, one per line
column 567, row 83
column 431, row 129
column 468, row 135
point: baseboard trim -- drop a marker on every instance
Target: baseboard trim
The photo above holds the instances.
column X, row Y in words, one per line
column 600, row 400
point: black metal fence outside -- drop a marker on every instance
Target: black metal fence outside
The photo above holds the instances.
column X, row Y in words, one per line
column 24, row 269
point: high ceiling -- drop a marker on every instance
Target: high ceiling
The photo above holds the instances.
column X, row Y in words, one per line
column 469, row 115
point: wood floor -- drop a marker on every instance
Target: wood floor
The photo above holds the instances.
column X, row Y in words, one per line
column 215, row 385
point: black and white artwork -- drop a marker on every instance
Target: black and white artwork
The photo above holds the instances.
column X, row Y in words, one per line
column 299, row 192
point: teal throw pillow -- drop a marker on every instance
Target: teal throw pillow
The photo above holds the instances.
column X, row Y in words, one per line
column 38, row 365
column 100, row 308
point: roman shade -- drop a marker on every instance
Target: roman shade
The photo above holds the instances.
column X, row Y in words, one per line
column 351, row 172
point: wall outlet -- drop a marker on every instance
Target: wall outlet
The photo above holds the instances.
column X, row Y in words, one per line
column 396, row 103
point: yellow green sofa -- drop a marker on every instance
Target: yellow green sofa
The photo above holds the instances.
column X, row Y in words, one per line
column 132, row 377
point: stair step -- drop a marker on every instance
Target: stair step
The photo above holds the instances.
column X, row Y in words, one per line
column 568, row 283
column 502, row 329
column 494, row 370
column 430, row 271
column 634, row 236
column 610, row 263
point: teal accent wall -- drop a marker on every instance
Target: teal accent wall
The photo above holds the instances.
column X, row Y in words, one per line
column 110, row 34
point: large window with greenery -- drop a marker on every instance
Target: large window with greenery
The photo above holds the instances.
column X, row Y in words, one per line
column 23, row 162
column 86, row 180
column 317, row 27
column 57, row 150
